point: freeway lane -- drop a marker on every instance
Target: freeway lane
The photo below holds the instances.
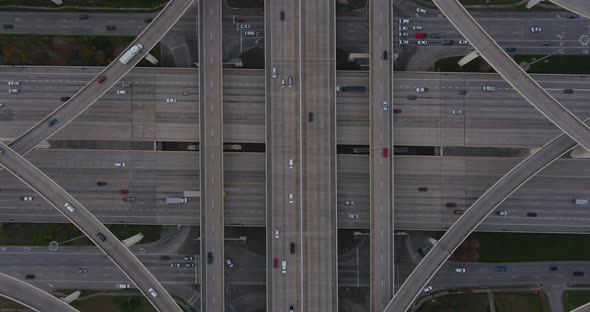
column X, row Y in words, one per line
column 514, row 74
column 90, row 226
column 93, row 90
column 30, row 296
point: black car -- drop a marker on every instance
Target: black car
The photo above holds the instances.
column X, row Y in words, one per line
column 101, row 237
column 435, row 35
column 544, row 43
column 282, row 15
column 8, row 26
column 52, row 122
column 568, row 91
column 552, row 268
column 83, row 17
column 101, row 183
column 571, row 15
column 421, row 252
column 462, row 92
column 447, row 42
column 164, row 258
column 531, row 214
column 111, row 27
column 64, row 98
column 210, row 258
column 310, row 116
column 384, row 55
column 578, row 273
column 422, row 189
column 510, row 49
column 292, row 247
column 412, row 97
column 30, row 276
column 148, row 20
column 501, row 269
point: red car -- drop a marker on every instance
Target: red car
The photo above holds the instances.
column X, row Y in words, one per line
column 102, row 79
column 451, row 205
column 419, row 35
column 397, row 111
column 275, row 263
column 385, row 152
column 123, row 191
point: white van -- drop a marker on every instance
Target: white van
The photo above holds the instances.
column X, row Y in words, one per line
column 580, row 201
column 291, row 163
column 284, row 266
column 488, row 88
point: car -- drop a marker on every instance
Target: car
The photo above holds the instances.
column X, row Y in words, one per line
column 569, row 91
column 65, row 98
column 458, row 211
column 239, row 19
column 175, row 265
column 121, row 92
column 111, row 27
column 290, row 82
column 185, row 93
column 404, row 21
column 291, row 308
column 403, row 34
column 189, row 265
column 229, row 263
column 245, row 26
column 119, row 164
column 153, row 292
column 170, row 100
column 101, row 237
column 148, row 20
column 249, row 33
column 13, row 90
column 348, row 202
column 456, row 112
column 385, row 107
column 536, row 29
column 427, row 289
column 8, row 26
column 69, row 207
column 421, row 252
column 189, row 258
column 129, row 199
column 578, row 273
column 420, row 10
column 422, row 42
column 403, row 42
column 124, row 286
column 417, row 27
column 210, row 258
column 510, row 49
column 290, row 163
column 282, row 15
column 451, row 205
column 422, row 189
column 284, row 266
column 290, row 198
column 571, row 15
column 421, row 89
column 544, row 43
column 501, row 269
column 277, row 232
column 125, row 84
column 282, row 83
column 488, row 88
column 14, row 83
column 385, row 152
column 553, row 268
column 419, row 35
column 26, row 198
column 310, row 116
column 411, row 97
column 397, row 111
column 459, row 270
column 292, row 247
column 30, row 276
column 164, row 258
column 463, row 42
column 1, row 105
column 353, row 216
column 275, row 263
column 52, row 122
column 82, row 270
column 124, row 191
column 102, row 79
column 502, row 213
column 447, row 42
column 83, row 17
column 101, row 183
column 462, row 92
column 274, row 72
column 531, row 214
column 403, row 28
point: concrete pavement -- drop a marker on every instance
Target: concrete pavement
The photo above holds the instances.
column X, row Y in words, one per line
column 30, row 296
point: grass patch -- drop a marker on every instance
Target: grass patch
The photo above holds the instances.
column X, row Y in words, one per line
column 523, row 247
column 63, row 50
column 556, row 64
column 519, row 302
column 88, row 3
column 521, row 7
column 457, row 303
column 38, row 234
column 575, row 298
column 106, row 303
column 7, row 304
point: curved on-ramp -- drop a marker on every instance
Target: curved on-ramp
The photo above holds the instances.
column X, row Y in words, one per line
column 513, row 74
column 90, row 226
column 580, row 7
column 473, row 216
column 31, row 296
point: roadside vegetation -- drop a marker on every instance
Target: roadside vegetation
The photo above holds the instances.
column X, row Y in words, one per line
column 575, row 298
column 520, row 302
column 477, row 302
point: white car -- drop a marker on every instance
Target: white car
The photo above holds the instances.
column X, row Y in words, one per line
column 536, row 29
column 229, row 263
column 121, row 92
column 502, row 213
column 119, row 164
column 170, row 100
column 175, row 265
column 349, row 202
column 385, row 107
column 420, row 10
column 244, row 26
column 421, row 89
column 353, row 216
column 417, row 27
column 124, row 286
column 277, row 235
column 274, row 72
column 403, row 42
column 460, row 270
column 153, row 292
column 26, row 198
column 403, row 28
column 463, row 42
column 12, row 90
column 291, row 198
column 457, row 112
column 282, row 83
column 284, row 266
column 422, row 42
column 427, row 289
column 403, row 34
column 404, row 21
column 14, row 83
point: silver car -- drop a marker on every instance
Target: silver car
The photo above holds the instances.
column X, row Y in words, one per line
column 274, row 72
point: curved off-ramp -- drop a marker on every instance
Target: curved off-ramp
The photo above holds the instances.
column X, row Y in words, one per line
column 580, row 7
column 31, row 296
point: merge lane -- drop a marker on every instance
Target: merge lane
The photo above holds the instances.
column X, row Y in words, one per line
column 514, row 74
column 31, row 296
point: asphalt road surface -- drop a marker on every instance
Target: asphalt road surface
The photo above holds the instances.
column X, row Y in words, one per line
column 579, row 6
column 30, row 296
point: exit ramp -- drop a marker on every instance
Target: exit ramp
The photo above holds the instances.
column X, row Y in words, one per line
column 71, row 297
column 133, row 240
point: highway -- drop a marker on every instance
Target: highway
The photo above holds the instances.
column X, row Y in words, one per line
column 473, row 216
column 514, row 74
column 211, row 160
column 90, row 226
column 381, row 164
column 30, row 296
column 578, row 6
column 283, row 146
column 317, row 82
column 86, row 96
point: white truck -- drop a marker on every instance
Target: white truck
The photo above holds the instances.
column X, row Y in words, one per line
column 124, row 59
column 176, row 200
